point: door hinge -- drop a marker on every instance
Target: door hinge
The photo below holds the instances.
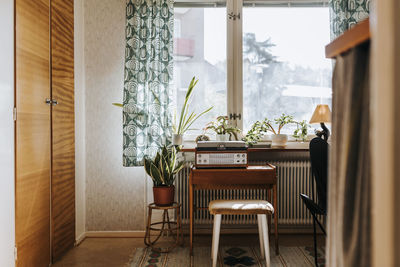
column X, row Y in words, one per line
column 233, row 16
column 15, row 113
column 234, row 116
column 15, row 253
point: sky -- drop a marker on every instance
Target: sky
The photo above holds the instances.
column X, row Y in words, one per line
column 300, row 34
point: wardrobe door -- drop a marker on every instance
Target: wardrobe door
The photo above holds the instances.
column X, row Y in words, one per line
column 32, row 163
column 63, row 140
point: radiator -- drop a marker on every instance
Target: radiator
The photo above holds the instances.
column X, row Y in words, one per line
column 294, row 177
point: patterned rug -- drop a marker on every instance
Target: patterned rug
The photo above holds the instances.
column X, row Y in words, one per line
column 227, row 257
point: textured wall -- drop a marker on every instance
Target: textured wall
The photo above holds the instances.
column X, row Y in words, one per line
column 80, row 157
column 115, row 195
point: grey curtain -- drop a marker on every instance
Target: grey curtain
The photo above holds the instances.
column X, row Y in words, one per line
column 349, row 194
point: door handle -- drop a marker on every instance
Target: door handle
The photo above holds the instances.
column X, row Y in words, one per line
column 53, row 102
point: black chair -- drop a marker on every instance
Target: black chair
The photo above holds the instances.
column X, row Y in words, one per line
column 319, row 167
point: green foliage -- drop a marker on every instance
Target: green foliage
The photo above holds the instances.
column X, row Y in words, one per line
column 255, row 133
column 262, row 127
column 221, row 126
column 164, row 166
column 282, row 121
column 187, row 118
column 301, row 131
column 118, row 105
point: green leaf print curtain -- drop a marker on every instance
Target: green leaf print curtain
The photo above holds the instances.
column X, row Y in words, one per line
column 147, row 78
column 347, row 13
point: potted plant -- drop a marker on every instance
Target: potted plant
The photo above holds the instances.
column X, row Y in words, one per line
column 278, row 139
column 162, row 169
column 221, row 127
column 301, row 131
column 255, row 133
column 259, row 128
column 187, row 118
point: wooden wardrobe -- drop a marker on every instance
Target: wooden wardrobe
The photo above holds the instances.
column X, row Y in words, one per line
column 44, row 131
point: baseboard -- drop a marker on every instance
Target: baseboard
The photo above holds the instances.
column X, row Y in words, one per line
column 115, row 234
column 199, row 229
column 80, row 239
column 249, row 229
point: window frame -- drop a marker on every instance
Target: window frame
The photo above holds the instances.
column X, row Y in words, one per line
column 234, row 57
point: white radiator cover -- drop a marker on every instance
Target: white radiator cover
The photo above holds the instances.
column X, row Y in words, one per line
column 294, row 177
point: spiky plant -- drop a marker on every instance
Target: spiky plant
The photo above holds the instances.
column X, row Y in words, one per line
column 164, row 166
column 187, row 118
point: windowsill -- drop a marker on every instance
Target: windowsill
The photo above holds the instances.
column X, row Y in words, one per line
column 189, row 146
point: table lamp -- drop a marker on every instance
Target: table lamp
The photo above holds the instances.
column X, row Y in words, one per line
column 322, row 114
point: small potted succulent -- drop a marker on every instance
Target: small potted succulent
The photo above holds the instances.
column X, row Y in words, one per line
column 221, row 127
column 187, row 118
column 259, row 128
column 162, row 169
column 278, row 139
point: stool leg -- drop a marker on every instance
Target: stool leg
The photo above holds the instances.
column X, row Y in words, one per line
column 215, row 239
column 260, row 235
column 265, row 238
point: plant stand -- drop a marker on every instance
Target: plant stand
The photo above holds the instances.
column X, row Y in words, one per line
column 167, row 227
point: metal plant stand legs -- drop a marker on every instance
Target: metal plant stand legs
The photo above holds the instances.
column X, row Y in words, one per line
column 166, row 228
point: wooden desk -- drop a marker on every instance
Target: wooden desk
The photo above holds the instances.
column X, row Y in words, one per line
column 252, row 177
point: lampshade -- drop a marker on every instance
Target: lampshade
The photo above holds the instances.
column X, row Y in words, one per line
column 322, row 113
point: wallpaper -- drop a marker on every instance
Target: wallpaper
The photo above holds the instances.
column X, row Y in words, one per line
column 115, row 195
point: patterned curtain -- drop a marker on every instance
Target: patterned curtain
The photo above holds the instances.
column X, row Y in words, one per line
column 147, row 78
column 347, row 13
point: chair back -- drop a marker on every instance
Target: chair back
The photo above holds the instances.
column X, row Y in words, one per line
column 319, row 166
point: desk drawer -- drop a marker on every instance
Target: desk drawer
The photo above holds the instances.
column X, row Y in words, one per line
column 232, row 177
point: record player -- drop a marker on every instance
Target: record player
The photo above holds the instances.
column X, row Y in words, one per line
column 221, row 154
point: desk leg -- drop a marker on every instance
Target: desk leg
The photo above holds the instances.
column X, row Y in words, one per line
column 276, row 219
column 191, row 222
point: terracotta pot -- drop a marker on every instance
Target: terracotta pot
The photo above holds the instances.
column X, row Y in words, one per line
column 163, row 195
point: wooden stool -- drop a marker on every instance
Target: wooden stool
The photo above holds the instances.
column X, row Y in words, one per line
column 241, row 207
column 162, row 230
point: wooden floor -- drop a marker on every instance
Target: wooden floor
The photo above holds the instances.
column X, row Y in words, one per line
column 115, row 252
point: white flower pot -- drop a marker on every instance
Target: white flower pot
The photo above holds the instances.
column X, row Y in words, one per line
column 177, row 139
column 222, row 137
column 279, row 140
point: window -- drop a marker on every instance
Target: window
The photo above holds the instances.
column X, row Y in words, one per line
column 284, row 66
column 199, row 52
column 266, row 62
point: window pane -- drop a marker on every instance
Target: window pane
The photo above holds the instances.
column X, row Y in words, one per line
column 284, row 65
column 200, row 50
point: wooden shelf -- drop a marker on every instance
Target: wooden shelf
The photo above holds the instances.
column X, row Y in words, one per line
column 359, row 34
